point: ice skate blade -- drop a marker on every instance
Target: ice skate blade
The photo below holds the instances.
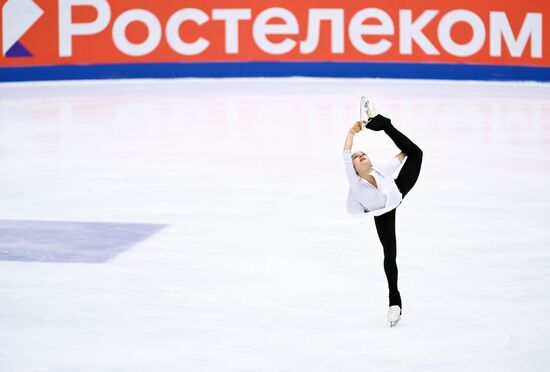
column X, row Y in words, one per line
column 393, row 324
column 362, row 109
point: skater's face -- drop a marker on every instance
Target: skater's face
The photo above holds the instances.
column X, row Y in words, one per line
column 361, row 162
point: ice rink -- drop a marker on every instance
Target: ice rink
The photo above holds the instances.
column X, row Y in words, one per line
column 200, row 225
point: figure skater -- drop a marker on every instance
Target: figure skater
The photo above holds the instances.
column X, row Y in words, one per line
column 374, row 192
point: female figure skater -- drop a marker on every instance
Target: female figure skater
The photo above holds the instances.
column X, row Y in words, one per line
column 374, row 192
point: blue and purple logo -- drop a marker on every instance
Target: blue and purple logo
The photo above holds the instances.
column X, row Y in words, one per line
column 18, row 16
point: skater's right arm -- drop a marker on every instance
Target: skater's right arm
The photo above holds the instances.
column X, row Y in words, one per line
column 356, row 128
column 356, row 194
column 353, row 177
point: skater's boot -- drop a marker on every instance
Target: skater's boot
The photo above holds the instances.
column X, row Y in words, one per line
column 369, row 109
column 394, row 315
column 366, row 110
column 375, row 121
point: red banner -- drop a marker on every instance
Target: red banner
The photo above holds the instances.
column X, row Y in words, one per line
column 61, row 32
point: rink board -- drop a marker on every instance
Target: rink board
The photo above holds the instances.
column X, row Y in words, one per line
column 277, row 69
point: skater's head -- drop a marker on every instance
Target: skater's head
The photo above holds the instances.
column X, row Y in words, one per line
column 361, row 162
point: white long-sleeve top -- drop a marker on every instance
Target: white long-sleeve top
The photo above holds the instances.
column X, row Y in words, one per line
column 366, row 200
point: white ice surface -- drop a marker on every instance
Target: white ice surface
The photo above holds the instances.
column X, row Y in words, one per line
column 261, row 269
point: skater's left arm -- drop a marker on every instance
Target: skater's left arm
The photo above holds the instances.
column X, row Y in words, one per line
column 389, row 169
column 401, row 156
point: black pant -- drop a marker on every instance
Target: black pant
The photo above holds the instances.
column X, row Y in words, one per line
column 385, row 224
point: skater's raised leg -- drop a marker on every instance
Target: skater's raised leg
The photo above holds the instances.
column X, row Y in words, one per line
column 411, row 169
column 408, row 175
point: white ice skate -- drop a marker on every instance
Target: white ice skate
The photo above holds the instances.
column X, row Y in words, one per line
column 394, row 315
column 367, row 110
